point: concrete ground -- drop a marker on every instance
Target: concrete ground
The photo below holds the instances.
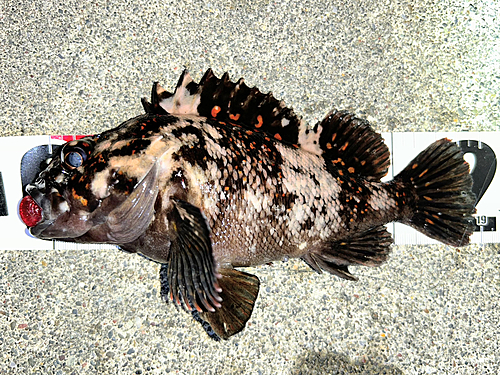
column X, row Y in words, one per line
column 80, row 67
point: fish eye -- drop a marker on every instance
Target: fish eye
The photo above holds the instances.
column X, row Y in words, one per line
column 75, row 153
column 74, row 157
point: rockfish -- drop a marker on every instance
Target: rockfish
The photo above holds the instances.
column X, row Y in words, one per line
column 217, row 175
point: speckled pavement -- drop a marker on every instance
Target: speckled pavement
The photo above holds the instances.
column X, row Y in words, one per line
column 82, row 66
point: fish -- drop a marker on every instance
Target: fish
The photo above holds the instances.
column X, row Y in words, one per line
column 217, row 175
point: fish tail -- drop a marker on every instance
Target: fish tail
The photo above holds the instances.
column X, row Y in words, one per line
column 440, row 182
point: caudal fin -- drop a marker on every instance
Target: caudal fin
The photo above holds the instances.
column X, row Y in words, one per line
column 444, row 198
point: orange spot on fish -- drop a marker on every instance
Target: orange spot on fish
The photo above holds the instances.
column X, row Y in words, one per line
column 79, row 198
column 351, row 170
column 259, row 121
column 215, row 111
column 278, row 137
column 424, row 172
column 234, row 117
column 414, row 166
column 344, row 146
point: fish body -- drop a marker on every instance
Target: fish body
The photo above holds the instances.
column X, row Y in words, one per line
column 218, row 175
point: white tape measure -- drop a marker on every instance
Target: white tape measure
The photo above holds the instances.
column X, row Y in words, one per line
column 22, row 157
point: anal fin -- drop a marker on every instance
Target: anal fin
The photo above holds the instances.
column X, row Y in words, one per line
column 369, row 248
column 239, row 292
column 318, row 264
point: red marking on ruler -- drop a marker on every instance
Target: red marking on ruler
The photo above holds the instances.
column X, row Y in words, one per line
column 68, row 138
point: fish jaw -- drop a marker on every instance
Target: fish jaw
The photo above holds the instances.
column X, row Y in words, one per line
column 57, row 218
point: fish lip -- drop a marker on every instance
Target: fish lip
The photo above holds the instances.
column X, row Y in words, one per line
column 37, row 230
column 35, row 193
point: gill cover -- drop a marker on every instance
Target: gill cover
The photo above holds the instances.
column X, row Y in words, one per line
column 132, row 217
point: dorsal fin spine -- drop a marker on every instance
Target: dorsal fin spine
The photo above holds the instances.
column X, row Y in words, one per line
column 230, row 102
column 340, row 138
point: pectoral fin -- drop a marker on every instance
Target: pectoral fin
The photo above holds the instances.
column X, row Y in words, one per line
column 223, row 302
column 191, row 275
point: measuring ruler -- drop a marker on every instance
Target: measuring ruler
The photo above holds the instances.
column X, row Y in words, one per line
column 22, row 156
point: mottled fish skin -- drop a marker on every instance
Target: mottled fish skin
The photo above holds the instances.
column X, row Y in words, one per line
column 264, row 200
column 218, row 175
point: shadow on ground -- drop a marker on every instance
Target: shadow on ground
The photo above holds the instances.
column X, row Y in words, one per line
column 312, row 363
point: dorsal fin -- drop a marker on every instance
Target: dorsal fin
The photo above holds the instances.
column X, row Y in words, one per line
column 349, row 143
column 224, row 100
column 341, row 138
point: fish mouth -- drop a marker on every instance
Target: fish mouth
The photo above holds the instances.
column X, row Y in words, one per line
column 40, row 213
column 33, row 209
column 48, row 215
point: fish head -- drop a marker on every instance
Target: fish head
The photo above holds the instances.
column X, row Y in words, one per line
column 53, row 208
column 86, row 195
